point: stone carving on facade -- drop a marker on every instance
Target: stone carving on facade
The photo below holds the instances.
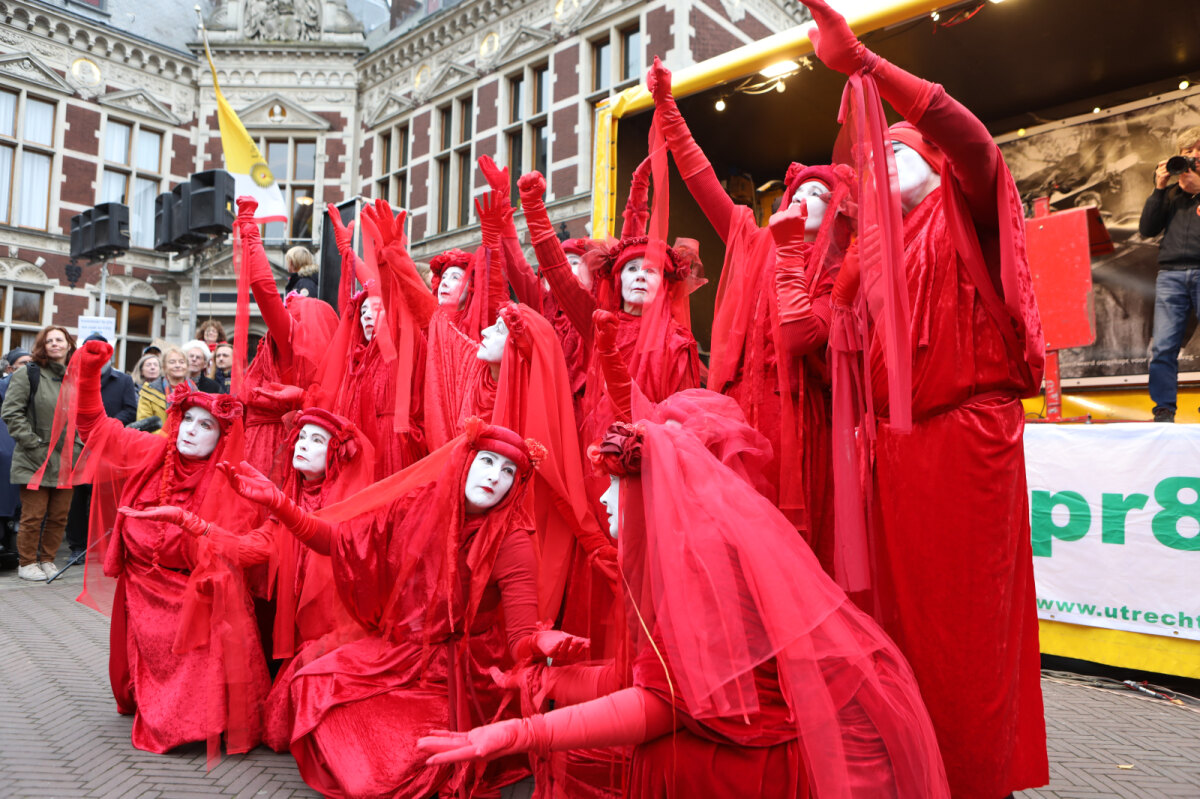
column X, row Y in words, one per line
column 283, row 20
column 140, row 101
column 29, row 68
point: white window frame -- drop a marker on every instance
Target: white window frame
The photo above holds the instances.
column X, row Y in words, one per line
column 20, row 146
column 132, row 173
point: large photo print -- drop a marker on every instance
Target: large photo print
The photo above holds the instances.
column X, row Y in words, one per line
column 1109, row 163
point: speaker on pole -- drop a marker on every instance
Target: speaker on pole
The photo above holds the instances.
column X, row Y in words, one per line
column 211, row 202
column 82, row 237
column 110, row 229
column 181, row 212
column 163, row 238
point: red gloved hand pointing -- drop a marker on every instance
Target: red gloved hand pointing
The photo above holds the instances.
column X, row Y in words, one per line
column 342, row 234
column 835, row 44
column 658, row 82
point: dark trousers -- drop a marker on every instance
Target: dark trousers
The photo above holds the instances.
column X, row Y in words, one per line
column 43, row 517
column 77, row 520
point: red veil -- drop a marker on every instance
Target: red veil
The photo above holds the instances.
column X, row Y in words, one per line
column 721, row 603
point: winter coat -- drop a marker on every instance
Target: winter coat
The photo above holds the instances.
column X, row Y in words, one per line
column 118, row 395
column 32, row 434
column 152, row 399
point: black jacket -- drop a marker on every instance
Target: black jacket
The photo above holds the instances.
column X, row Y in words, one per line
column 1174, row 210
column 208, row 385
column 118, row 395
column 303, row 284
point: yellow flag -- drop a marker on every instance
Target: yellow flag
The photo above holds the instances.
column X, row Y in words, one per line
column 244, row 160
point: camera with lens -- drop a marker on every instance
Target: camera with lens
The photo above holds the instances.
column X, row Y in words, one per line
column 1178, row 164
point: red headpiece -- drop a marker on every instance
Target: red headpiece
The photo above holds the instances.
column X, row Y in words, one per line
column 799, row 173
column 906, row 133
column 482, row 437
column 443, row 261
column 619, row 453
column 225, row 408
column 581, row 246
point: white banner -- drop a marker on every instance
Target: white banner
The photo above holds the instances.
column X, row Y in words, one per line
column 1115, row 518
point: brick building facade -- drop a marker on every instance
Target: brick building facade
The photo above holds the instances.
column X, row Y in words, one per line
column 112, row 100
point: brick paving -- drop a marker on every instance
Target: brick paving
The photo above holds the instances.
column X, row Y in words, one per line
column 60, row 734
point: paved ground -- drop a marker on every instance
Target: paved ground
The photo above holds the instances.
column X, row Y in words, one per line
column 60, row 735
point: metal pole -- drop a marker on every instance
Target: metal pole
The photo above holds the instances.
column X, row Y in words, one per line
column 196, row 259
column 103, row 289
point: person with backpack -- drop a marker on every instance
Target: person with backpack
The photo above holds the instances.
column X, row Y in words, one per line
column 28, row 411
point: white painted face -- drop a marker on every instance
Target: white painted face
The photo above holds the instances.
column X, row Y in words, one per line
column 198, row 433
column 580, row 270
column 311, row 452
column 449, row 287
column 915, row 178
column 492, row 341
column 611, row 500
column 815, row 195
column 368, row 315
column 488, row 481
column 639, row 283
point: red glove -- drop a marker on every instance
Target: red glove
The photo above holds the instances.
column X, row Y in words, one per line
column 787, row 229
column 605, row 323
column 254, row 486
column 490, row 208
column 499, row 181
column 343, row 235
column 247, row 206
column 833, row 41
column 689, row 158
column 553, row 644
column 278, row 396
column 389, row 226
column 189, row 522
column 618, row 383
column 532, row 187
column 791, row 285
column 92, row 356
column 624, row 718
column 845, row 288
column 89, row 410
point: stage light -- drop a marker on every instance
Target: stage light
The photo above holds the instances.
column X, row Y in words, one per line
column 1096, row 110
column 1020, row 131
column 779, row 69
column 779, row 87
column 720, row 104
column 935, row 16
column 1183, row 84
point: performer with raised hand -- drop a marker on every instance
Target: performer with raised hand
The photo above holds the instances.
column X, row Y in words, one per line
column 331, row 460
column 951, row 516
column 751, row 668
column 185, row 658
column 289, row 358
column 374, row 372
column 437, row 564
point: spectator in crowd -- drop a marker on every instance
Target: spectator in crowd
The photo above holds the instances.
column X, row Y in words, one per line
column 302, row 272
column 212, row 333
column 10, row 498
column 120, row 400
column 1173, row 209
column 28, row 411
column 153, row 398
column 222, row 366
column 147, row 370
column 199, row 357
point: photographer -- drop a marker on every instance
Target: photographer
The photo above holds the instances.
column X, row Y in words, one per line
column 1177, row 288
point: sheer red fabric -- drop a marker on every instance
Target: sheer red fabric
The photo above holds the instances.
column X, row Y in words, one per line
column 443, row 596
column 751, row 642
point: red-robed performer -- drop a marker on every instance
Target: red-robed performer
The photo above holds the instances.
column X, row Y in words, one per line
column 374, row 370
column 534, row 291
column 950, row 513
column 753, row 672
column 331, row 460
column 185, row 657
column 641, row 280
column 289, row 358
column 437, row 565
column 774, row 299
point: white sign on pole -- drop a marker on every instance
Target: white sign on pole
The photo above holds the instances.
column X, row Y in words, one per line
column 1115, row 518
column 104, row 325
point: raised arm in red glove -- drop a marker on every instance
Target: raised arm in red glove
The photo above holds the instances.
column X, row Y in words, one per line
column 617, row 380
column 940, row 118
column 693, row 166
column 575, row 301
column 628, row 717
column 343, row 238
column 262, row 282
column 254, row 486
column 92, row 357
column 801, row 330
column 244, row 550
column 524, row 282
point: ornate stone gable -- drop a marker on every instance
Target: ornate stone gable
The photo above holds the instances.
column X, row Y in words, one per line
column 392, row 106
column 28, row 68
column 142, row 103
column 281, row 113
column 285, row 22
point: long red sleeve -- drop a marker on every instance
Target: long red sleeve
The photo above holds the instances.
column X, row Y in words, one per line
column 521, row 277
column 625, row 718
column 959, row 134
column 89, row 408
column 311, row 531
column 266, row 294
column 514, row 573
column 574, row 300
column 696, row 170
column 572, row 685
column 618, row 382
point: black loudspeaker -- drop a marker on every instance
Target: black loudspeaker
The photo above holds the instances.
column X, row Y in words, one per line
column 110, row 228
column 330, row 259
column 163, row 241
column 181, row 211
column 82, row 236
column 212, row 198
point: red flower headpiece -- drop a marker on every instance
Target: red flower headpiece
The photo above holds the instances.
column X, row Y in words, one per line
column 225, row 408
column 581, row 246
column 681, row 262
column 525, row 452
column 343, row 443
column 518, row 333
column 619, row 453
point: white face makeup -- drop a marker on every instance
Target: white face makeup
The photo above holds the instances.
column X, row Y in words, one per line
column 488, row 481
column 311, row 452
column 368, row 315
column 639, row 283
column 915, row 178
column 492, row 341
column 580, row 270
column 198, row 433
column 815, row 195
column 611, row 500
column 449, row 287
